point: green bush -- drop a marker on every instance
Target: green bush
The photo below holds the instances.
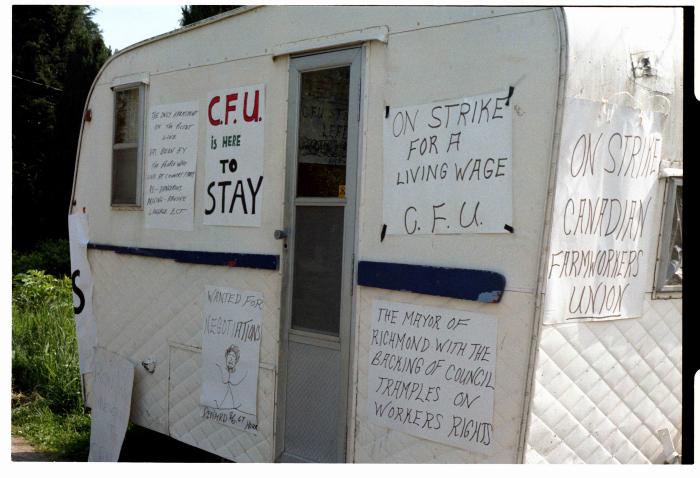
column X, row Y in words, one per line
column 44, row 344
column 36, row 291
column 50, row 255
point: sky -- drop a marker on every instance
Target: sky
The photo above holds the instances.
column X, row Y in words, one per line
column 124, row 25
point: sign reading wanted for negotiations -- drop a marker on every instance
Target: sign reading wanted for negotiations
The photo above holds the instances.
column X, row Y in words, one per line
column 231, row 336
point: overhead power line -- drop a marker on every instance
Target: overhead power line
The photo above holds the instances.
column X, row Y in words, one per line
column 36, row 83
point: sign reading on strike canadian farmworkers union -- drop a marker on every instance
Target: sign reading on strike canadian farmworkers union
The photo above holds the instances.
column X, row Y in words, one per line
column 603, row 226
column 234, row 158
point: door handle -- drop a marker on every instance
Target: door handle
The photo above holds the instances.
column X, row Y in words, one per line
column 281, row 234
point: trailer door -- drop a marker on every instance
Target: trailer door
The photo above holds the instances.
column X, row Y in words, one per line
column 322, row 149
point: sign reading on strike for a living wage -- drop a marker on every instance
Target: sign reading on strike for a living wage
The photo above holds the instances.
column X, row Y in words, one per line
column 448, row 166
column 234, row 156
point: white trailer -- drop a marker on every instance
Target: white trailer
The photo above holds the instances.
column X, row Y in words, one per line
column 430, row 234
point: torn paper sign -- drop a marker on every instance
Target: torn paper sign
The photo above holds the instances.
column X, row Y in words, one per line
column 81, row 278
column 114, row 380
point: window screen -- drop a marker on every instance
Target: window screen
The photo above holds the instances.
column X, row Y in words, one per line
column 318, row 261
column 127, row 145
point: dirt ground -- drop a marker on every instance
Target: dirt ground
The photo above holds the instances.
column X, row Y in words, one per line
column 23, row 451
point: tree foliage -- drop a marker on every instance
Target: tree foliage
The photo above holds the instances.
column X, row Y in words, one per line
column 57, row 51
column 195, row 13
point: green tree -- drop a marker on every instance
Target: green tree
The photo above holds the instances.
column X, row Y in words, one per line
column 57, row 51
column 195, row 13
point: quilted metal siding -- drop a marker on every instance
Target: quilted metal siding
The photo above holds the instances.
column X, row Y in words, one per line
column 603, row 389
column 142, row 305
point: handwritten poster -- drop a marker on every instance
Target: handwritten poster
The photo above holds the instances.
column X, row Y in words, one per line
column 600, row 241
column 81, row 278
column 231, row 356
column 432, row 373
column 172, row 164
column 448, row 166
column 234, row 157
column 114, row 380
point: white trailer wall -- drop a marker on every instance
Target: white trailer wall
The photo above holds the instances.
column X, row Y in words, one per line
column 601, row 390
column 149, row 308
column 429, row 64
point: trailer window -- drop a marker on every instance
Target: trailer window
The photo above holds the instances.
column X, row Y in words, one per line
column 669, row 271
column 127, row 146
column 323, row 133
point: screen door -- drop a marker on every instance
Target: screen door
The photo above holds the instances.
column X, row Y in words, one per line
column 320, row 221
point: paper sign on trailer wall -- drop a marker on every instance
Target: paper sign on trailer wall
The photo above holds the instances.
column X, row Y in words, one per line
column 232, row 328
column 601, row 234
column 171, row 161
column 82, row 284
column 234, row 157
column 432, row 373
column 448, row 166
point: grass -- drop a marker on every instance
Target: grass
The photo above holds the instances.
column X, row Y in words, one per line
column 47, row 407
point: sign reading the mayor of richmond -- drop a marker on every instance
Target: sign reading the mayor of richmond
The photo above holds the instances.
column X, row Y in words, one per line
column 231, row 356
column 600, row 245
column 234, row 157
column 432, row 373
column 448, row 166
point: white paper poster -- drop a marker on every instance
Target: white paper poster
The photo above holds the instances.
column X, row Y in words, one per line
column 432, row 373
column 114, row 380
column 448, row 166
column 171, row 166
column 600, row 241
column 234, row 157
column 231, row 356
column 81, row 277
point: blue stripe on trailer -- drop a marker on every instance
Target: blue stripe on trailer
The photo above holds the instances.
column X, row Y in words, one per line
column 468, row 284
column 228, row 259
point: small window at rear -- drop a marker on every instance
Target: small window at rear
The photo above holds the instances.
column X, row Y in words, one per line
column 127, row 146
column 669, row 269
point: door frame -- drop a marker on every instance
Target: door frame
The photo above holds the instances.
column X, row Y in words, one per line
column 298, row 64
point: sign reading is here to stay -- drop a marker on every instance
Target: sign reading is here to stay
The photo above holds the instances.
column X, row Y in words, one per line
column 234, row 156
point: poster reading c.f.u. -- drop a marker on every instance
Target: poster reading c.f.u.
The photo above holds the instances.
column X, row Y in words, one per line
column 234, row 156
column 232, row 328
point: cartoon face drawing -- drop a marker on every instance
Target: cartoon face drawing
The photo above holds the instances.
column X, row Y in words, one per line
column 233, row 355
